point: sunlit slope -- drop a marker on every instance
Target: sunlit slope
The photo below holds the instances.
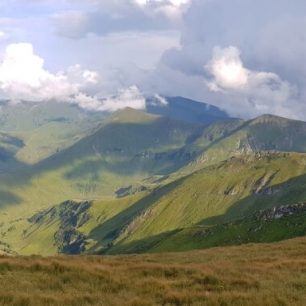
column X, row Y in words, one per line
column 182, row 175
column 127, row 148
column 233, row 189
column 222, row 140
column 276, row 224
column 219, row 194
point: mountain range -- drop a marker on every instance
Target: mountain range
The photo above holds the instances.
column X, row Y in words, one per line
column 179, row 175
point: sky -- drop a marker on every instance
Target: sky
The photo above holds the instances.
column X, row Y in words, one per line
column 247, row 57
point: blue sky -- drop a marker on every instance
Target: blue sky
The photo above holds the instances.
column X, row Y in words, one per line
column 244, row 56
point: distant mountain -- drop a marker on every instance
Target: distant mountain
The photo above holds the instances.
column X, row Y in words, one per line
column 221, row 140
column 43, row 128
column 27, row 116
column 185, row 110
column 130, row 180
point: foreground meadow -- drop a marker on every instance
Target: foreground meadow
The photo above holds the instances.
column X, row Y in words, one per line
column 261, row 274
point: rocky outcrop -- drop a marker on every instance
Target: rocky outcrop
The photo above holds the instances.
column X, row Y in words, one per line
column 280, row 212
column 71, row 216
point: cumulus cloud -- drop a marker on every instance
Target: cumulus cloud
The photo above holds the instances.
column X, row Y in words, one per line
column 263, row 92
column 257, row 67
column 171, row 8
column 23, row 77
column 263, row 71
column 227, row 69
column 128, row 97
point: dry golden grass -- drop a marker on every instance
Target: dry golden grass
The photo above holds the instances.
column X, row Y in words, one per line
column 267, row 274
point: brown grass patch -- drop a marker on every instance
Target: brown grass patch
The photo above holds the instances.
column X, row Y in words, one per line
column 263, row 274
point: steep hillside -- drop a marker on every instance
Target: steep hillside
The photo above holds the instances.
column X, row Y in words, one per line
column 143, row 177
column 28, row 116
column 222, row 140
column 228, row 191
column 215, row 195
column 44, row 129
column 127, row 148
column 9, row 146
column 278, row 223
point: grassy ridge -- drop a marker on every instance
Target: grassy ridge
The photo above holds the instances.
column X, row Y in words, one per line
column 231, row 180
column 248, row 230
column 265, row 274
column 218, row 194
column 122, row 152
column 228, row 191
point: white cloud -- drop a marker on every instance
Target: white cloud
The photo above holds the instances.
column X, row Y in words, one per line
column 128, row 97
column 248, row 91
column 171, row 8
column 82, row 77
column 227, row 69
column 269, row 75
column 23, row 77
column 161, row 100
column 2, row 35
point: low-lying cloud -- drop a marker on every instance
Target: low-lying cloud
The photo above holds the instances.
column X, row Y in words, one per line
column 23, row 77
column 128, row 97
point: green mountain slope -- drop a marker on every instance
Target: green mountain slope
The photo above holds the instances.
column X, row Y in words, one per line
column 170, row 175
column 218, row 194
column 222, row 140
column 127, row 148
column 279, row 223
column 28, row 116
column 215, row 195
column 45, row 128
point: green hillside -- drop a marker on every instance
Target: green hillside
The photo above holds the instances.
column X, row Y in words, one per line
column 144, row 177
column 221, row 140
column 127, row 148
column 228, row 191
column 261, row 227
column 215, row 195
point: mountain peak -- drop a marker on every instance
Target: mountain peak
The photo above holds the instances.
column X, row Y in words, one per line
column 128, row 115
column 273, row 119
column 185, row 109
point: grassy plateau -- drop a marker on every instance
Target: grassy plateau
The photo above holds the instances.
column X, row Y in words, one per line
column 262, row 274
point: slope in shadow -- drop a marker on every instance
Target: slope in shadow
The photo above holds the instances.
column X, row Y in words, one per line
column 106, row 233
column 7, row 198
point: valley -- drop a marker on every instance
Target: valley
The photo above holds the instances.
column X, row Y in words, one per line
column 148, row 182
